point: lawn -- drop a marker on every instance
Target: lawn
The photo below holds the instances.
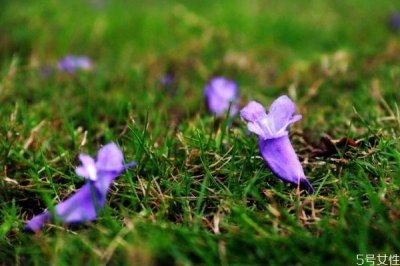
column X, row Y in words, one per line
column 201, row 194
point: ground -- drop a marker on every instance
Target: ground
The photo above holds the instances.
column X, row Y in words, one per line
column 201, row 194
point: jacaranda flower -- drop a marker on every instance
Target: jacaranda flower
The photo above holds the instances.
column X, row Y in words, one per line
column 274, row 143
column 72, row 63
column 221, row 93
column 89, row 200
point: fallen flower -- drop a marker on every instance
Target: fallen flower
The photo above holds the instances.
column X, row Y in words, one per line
column 221, row 93
column 274, row 143
column 72, row 63
column 89, row 200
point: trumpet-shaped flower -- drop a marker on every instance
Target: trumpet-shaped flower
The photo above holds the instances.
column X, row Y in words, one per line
column 89, row 200
column 221, row 93
column 274, row 143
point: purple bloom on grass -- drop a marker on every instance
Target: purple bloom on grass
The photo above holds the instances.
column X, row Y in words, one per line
column 166, row 79
column 89, row 200
column 221, row 93
column 274, row 143
column 394, row 21
column 72, row 63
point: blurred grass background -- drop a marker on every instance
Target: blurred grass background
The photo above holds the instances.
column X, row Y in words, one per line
column 200, row 194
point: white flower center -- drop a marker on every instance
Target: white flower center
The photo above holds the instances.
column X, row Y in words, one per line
column 91, row 169
column 268, row 125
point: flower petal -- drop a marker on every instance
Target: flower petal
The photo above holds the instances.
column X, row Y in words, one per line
column 281, row 158
column 130, row 164
column 224, row 88
column 84, row 205
column 88, row 169
column 257, row 120
column 253, row 112
column 82, row 172
column 110, row 158
column 281, row 113
column 258, row 129
column 37, row 222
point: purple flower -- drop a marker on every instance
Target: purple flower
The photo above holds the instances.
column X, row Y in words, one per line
column 394, row 21
column 72, row 63
column 89, row 200
column 274, row 143
column 221, row 93
column 166, row 79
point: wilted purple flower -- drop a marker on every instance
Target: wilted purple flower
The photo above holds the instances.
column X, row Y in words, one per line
column 274, row 143
column 394, row 21
column 89, row 200
column 72, row 63
column 221, row 93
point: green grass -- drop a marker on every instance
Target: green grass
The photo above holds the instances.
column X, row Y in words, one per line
column 201, row 193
